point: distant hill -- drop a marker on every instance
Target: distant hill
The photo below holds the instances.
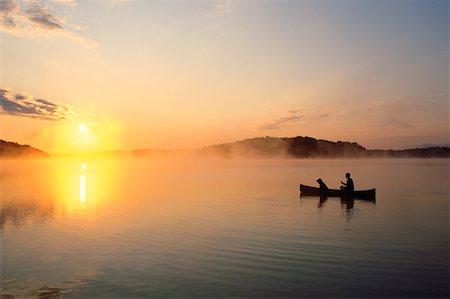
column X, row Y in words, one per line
column 15, row 150
column 308, row 147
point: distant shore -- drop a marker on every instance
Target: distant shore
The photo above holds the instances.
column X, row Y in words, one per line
column 261, row 147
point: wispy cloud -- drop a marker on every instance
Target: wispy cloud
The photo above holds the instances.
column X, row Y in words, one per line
column 224, row 7
column 40, row 16
column 66, row 2
column 118, row 2
column 33, row 18
column 398, row 122
column 23, row 105
column 293, row 116
column 8, row 11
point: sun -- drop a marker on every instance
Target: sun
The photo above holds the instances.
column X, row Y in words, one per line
column 83, row 128
column 78, row 136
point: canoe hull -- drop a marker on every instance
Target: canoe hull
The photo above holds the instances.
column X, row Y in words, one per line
column 358, row 194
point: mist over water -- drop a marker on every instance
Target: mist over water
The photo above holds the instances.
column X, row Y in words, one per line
column 177, row 227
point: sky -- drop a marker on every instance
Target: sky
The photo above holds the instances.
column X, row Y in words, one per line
column 81, row 75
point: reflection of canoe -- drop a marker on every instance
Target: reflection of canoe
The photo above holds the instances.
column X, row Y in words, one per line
column 358, row 194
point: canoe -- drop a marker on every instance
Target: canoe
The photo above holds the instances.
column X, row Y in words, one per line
column 358, row 194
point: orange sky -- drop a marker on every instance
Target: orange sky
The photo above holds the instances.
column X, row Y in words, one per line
column 184, row 74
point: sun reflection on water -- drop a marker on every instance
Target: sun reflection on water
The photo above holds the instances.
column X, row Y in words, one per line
column 79, row 184
column 83, row 185
column 82, row 190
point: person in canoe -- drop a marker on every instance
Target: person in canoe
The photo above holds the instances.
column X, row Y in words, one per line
column 322, row 185
column 348, row 187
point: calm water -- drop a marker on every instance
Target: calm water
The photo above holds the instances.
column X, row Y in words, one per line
column 222, row 228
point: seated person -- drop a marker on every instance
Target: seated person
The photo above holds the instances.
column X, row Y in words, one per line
column 349, row 187
column 322, row 185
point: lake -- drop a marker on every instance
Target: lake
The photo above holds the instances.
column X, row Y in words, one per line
column 146, row 228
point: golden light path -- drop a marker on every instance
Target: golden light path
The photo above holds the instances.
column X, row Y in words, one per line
column 83, row 185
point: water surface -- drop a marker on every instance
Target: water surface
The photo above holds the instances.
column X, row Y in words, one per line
column 222, row 228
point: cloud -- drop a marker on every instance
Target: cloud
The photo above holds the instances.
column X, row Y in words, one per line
column 283, row 121
column 66, row 2
column 20, row 97
column 292, row 117
column 32, row 18
column 398, row 122
column 26, row 106
column 40, row 17
column 224, row 7
column 118, row 2
column 8, row 9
